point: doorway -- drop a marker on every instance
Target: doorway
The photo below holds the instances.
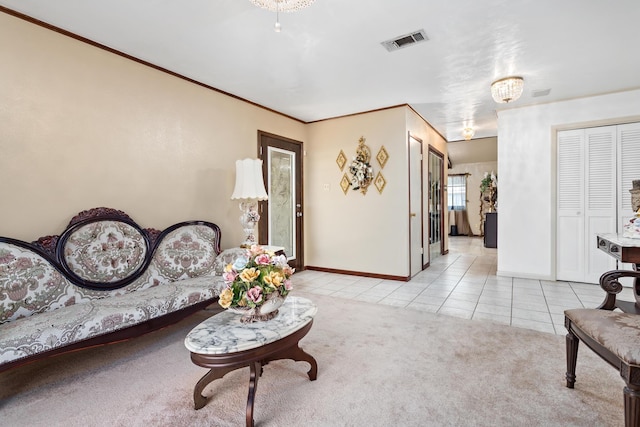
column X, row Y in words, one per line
column 416, row 223
column 436, row 203
column 281, row 219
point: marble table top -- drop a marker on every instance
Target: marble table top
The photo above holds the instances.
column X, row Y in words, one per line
column 618, row 239
column 223, row 333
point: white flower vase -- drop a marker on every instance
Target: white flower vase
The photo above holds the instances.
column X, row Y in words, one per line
column 266, row 311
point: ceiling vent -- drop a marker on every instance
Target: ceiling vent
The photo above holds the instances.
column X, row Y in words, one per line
column 541, row 92
column 405, row 40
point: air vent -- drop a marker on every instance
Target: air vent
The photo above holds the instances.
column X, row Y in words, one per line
column 542, row 92
column 405, row 40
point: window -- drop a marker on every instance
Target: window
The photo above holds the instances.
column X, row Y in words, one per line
column 457, row 191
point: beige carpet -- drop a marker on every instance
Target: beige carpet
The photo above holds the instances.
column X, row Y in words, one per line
column 377, row 366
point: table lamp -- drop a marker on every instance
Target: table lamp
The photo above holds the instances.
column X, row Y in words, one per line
column 249, row 190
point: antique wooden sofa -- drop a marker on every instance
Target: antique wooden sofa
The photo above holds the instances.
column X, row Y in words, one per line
column 103, row 279
column 612, row 331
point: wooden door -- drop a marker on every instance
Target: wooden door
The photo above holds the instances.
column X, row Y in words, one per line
column 281, row 217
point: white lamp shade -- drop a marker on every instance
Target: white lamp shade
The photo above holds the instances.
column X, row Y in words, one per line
column 249, row 182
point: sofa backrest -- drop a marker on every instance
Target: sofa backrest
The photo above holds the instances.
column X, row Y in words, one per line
column 101, row 253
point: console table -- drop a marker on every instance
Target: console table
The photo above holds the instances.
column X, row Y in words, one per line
column 491, row 230
column 626, row 250
column 224, row 344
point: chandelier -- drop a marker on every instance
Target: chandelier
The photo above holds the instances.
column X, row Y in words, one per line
column 468, row 133
column 278, row 6
column 282, row 5
column 507, row 89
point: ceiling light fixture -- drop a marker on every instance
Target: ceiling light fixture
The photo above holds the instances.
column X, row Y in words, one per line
column 468, row 133
column 507, row 89
column 278, row 6
column 282, row 5
column 277, row 27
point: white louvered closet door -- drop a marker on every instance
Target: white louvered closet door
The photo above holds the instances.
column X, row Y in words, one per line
column 629, row 170
column 595, row 169
column 600, row 198
column 570, row 220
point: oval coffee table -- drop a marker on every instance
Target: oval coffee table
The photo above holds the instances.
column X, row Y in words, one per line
column 223, row 344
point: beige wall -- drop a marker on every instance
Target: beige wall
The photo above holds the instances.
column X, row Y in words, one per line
column 476, row 173
column 81, row 127
column 421, row 130
column 355, row 232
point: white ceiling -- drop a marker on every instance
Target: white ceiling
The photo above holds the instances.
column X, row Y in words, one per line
column 328, row 60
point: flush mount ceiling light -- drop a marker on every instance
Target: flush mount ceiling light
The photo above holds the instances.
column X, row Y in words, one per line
column 468, row 133
column 278, row 6
column 282, row 5
column 507, row 89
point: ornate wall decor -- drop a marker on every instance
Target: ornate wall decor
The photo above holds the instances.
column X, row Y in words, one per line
column 345, row 183
column 360, row 168
column 380, row 182
column 341, row 160
column 382, row 157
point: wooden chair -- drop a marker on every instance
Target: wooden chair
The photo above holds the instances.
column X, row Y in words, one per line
column 612, row 331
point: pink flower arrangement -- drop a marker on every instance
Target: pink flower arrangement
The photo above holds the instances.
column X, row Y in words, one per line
column 252, row 278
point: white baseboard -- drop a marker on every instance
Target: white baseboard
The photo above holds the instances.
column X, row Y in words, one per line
column 524, row 275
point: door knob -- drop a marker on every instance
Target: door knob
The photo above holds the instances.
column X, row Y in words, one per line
column 413, row 214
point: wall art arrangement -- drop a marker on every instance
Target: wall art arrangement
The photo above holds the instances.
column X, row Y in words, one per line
column 360, row 172
column 382, row 158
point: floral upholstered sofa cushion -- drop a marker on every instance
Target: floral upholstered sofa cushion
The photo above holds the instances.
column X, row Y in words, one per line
column 99, row 276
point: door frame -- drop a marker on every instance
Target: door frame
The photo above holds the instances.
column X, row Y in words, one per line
column 423, row 265
column 263, row 228
column 439, row 154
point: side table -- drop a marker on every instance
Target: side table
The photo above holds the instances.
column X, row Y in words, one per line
column 223, row 344
column 624, row 250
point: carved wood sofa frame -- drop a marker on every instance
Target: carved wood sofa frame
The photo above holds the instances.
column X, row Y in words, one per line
column 54, row 253
column 612, row 335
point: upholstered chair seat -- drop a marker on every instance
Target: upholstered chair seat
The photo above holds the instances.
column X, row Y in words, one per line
column 616, row 331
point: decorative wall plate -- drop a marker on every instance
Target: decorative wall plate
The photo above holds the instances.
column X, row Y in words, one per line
column 341, row 160
column 360, row 168
column 380, row 182
column 382, row 156
column 344, row 183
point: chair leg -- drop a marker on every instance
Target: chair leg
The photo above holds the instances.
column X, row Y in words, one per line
column 631, row 407
column 572, row 357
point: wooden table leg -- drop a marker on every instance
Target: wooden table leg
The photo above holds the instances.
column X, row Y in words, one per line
column 255, row 370
column 636, row 284
column 198, row 399
column 296, row 354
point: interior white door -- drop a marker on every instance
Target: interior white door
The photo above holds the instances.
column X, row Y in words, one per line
column 570, row 210
column 629, row 161
column 415, row 205
column 587, row 201
column 629, row 170
column 600, row 198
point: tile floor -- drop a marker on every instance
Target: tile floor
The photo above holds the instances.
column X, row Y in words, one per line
column 464, row 284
